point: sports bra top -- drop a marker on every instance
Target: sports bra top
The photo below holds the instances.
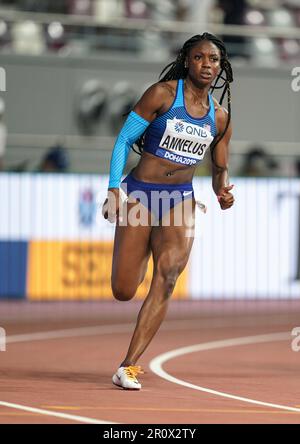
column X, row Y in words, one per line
column 179, row 137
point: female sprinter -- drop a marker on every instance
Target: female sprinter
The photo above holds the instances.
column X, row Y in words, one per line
column 173, row 124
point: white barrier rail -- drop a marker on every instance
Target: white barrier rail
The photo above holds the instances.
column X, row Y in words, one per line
column 251, row 250
column 123, row 23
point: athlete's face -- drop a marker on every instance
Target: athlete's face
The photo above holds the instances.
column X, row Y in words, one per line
column 203, row 62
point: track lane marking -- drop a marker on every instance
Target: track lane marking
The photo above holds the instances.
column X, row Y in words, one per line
column 111, row 329
column 55, row 414
column 217, row 322
column 157, row 363
column 178, row 410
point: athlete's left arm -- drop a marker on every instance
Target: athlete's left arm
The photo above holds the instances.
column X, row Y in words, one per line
column 220, row 178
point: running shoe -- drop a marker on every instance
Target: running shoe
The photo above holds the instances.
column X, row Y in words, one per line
column 126, row 377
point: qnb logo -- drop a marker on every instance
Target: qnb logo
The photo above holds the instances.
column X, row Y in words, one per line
column 2, row 79
column 2, row 340
column 194, row 130
column 296, row 341
column 179, row 127
column 296, row 81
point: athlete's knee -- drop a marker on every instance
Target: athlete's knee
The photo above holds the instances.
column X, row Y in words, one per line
column 121, row 293
column 170, row 265
column 168, row 270
column 169, row 277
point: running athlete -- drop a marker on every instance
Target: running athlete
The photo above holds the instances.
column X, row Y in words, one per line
column 173, row 124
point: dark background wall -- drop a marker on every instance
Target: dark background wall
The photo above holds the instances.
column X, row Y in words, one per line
column 41, row 94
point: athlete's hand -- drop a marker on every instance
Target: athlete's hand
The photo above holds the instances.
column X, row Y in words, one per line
column 110, row 208
column 225, row 198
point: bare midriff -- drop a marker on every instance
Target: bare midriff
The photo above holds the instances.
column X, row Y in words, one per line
column 153, row 169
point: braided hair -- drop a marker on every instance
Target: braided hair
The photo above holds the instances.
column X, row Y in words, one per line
column 177, row 70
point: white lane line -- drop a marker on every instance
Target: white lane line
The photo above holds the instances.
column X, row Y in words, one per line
column 157, row 363
column 69, row 333
column 56, row 414
column 104, row 329
column 127, row 327
column 91, row 331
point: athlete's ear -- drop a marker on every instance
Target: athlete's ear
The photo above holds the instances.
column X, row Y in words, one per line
column 186, row 64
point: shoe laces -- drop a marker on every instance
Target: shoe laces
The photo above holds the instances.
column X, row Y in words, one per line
column 132, row 371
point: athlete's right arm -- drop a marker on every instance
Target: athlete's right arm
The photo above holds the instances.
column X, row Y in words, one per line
column 144, row 112
column 136, row 123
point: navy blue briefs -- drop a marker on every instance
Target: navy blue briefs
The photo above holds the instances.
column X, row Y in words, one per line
column 158, row 198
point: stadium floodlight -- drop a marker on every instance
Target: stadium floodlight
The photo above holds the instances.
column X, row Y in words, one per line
column 28, row 37
column 3, row 28
column 281, row 18
column 264, row 51
column 254, row 17
column 290, row 48
column 55, row 30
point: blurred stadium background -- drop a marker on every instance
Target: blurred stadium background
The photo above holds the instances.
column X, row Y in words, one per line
column 70, row 69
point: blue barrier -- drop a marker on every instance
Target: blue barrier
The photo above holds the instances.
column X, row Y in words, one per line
column 13, row 269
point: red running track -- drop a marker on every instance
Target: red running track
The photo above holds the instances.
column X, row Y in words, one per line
column 67, row 370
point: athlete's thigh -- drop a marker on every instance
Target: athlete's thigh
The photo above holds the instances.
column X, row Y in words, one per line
column 131, row 253
column 172, row 240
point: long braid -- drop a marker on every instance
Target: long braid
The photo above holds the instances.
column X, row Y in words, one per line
column 177, row 70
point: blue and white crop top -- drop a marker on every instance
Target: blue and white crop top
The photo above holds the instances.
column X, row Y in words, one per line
column 179, row 137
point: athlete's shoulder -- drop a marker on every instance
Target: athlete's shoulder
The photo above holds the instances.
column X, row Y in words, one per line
column 164, row 89
column 221, row 114
column 155, row 98
column 159, row 92
column 170, row 86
